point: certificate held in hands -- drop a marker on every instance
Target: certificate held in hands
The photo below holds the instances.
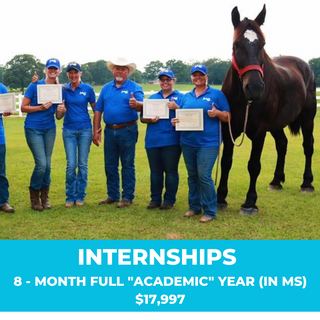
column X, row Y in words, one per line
column 49, row 92
column 189, row 119
column 155, row 108
column 7, row 102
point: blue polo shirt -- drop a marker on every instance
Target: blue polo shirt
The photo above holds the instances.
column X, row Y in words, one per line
column 77, row 116
column 41, row 120
column 114, row 102
column 163, row 133
column 3, row 89
column 209, row 137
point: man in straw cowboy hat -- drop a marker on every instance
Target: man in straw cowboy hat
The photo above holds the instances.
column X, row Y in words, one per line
column 119, row 101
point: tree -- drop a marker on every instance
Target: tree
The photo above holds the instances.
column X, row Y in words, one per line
column 19, row 71
column 217, row 70
column 315, row 65
column 180, row 70
column 152, row 69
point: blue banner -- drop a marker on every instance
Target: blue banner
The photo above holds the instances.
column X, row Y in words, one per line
column 159, row 276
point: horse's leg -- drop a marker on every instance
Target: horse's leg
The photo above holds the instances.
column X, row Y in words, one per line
column 254, row 168
column 281, row 142
column 308, row 141
column 226, row 164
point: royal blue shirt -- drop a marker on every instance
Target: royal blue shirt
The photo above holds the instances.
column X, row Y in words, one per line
column 163, row 133
column 209, row 137
column 41, row 120
column 3, row 89
column 76, row 101
column 114, row 102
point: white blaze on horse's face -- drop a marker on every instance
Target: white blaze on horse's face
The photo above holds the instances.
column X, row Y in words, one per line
column 251, row 35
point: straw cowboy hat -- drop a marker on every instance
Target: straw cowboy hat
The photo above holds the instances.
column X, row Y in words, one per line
column 122, row 62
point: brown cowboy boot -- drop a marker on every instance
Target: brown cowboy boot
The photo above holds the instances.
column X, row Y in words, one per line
column 44, row 196
column 34, row 198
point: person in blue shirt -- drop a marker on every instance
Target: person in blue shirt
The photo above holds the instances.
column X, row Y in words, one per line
column 200, row 148
column 119, row 101
column 40, row 132
column 4, row 184
column 77, row 134
column 162, row 145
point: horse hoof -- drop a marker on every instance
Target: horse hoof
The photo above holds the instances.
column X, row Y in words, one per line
column 222, row 206
column 248, row 211
column 274, row 187
column 306, row 190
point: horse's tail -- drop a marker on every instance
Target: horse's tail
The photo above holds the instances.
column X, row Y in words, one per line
column 295, row 127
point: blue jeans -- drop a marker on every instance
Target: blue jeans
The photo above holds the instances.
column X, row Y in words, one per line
column 202, row 194
column 41, row 144
column 164, row 160
column 4, row 185
column 77, row 147
column 120, row 144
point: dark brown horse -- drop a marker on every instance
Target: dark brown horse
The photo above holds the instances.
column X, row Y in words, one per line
column 282, row 93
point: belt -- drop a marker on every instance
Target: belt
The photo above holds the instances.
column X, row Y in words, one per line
column 120, row 125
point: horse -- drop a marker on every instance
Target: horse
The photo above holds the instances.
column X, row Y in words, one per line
column 265, row 95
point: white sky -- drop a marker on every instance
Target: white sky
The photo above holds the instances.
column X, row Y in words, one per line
column 144, row 31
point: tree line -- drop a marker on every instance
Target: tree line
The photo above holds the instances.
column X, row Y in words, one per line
column 17, row 73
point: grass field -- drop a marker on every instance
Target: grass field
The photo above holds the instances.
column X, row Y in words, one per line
column 285, row 214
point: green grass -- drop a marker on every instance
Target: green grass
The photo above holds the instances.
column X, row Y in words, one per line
column 285, row 214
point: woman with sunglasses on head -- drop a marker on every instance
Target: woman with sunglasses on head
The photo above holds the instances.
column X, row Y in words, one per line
column 40, row 132
column 162, row 145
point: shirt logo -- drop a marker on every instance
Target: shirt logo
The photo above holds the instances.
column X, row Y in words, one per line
column 175, row 98
column 83, row 93
column 125, row 91
column 207, row 99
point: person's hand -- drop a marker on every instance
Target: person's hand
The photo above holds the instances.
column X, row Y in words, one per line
column 172, row 105
column 132, row 101
column 7, row 113
column 97, row 137
column 47, row 105
column 62, row 108
column 155, row 120
column 35, row 77
column 174, row 121
column 213, row 112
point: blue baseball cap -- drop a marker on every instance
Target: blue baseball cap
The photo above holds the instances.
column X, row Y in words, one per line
column 53, row 62
column 74, row 65
column 200, row 68
column 166, row 72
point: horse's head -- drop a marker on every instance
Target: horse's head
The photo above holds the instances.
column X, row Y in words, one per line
column 248, row 53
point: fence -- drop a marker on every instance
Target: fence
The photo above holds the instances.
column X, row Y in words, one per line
column 19, row 99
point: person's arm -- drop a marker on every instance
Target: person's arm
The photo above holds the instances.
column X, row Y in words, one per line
column 134, row 103
column 25, row 106
column 97, row 128
column 61, row 110
column 223, row 116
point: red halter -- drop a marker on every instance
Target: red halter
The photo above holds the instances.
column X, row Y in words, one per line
column 241, row 72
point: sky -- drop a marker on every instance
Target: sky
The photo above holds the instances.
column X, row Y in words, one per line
column 143, row 31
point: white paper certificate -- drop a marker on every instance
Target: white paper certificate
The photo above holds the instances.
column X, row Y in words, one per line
column 49, row 92
column 190, row 119
column 7, row 102
column 155, row 108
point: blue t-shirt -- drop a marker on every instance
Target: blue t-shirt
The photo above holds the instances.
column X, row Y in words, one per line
column 209, row 137
column 41, row 120
column 163, row 133
column 77, row 116
column 3, row 89
column 114, row 102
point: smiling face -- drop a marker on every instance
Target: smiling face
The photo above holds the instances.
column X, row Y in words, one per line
column 166, row 83
column 199, row 79
column 74, row 76
column 120, row 74
column 52, row 73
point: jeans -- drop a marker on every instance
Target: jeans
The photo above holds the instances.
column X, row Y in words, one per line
column 77, row 147
column 4, row 185
column 202, row 194
column 164, row 160
column 120, row 144
column 41, row 144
